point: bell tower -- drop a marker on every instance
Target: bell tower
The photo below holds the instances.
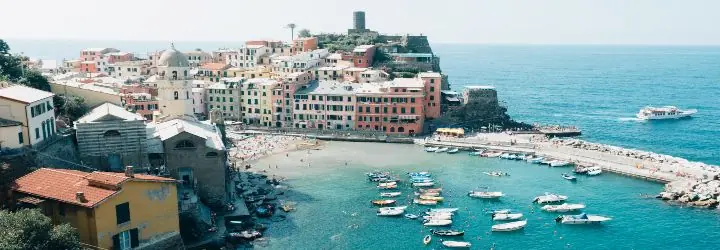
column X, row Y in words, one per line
column 174, row 86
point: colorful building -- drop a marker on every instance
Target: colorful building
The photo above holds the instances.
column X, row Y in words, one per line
column 305, row 44
column 109, row 210
column 326, row 105
column 33, row 108
column 291, row 84
column 433, row 82
column 225, row 96
column 363, row 56
column 140, row 99
column 253, row 93
column 394, row 107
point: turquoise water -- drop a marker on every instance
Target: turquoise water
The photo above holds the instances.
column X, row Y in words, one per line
column 329, row 198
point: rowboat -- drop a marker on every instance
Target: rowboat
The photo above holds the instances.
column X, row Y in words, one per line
column 499, row 217
column 567, row 207
column 427, row 239
column 425, row 202
column 390, row 194
column 485, row 195
column 437, row 223
column 456, row 244
column 581, row 219
column 511, row 226
column 382, row 202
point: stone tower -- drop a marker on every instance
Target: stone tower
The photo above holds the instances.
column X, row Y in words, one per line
column 174, row 86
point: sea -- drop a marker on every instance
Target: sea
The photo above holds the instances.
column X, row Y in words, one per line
column 597, row 88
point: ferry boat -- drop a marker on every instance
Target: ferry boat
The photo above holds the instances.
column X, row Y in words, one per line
column 662, row 113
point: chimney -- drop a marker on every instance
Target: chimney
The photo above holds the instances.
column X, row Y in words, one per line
column 129, row 171
column 80, row 197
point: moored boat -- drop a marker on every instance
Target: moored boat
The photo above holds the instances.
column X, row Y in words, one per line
column 559, row 163
column 412, row 216
column 535, row 160
column 496, row 173
column 427, row 239
column 392, row 208
column 549, row 198
column 511, row 226
column 431, row 198
column 431, row 149
column 437, row 223
column 395, row 212
column 581, row 219
column 382, row 202
column 594, row 171
column 387, row 185
column 453, row 150
column 423, row 184
column 438, row 217
column 448, row 232
column 456, row 244
column 442, row 150
column 477, row 153
column 562, row 208
column 390, row 194
column 485, row 195
column 447, row 209
column 419, row 174
column 569, row 177
column 493, row 154
column 425, row 202
column 427, row 193
column 425, row 190
column 507, row 216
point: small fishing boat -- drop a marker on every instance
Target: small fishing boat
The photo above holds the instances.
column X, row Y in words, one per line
column 431, row 198
column 442, row 150
column 500, row 211
column 419, row 174
column 425, row 202
column 412, row 216
column 592, row 171
column 559, row 164
column 420, row 180
column 456, row 244
column 423, row 184
column 453, row 150
column 511, row 226
column 387, row 185
column 535, row 160
column 580, row 170
column 520, row 157
column 567, row 207
column 447, row 210
column 437, row 223
column 477, row 153
column 493, row 155
column 485, row 195
column 448, row 232
column 395, row 212
column 432, row 190
column 581, row 219
column 501, row 217
column 569, row 177
column 392, row 208
column 438, row 217
column 431, row 149
column 382, row 202
column 427, row 194
column 547, row 161
column 427, row 239
column 549, row 198
column 390, row 194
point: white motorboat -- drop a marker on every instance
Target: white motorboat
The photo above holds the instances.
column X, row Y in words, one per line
column 392, row 208
column 485, row 195
column 535, row 160
column 559, row 164
column 456, row 244
column 499, row 217
column 547, row 161
column 511, row 226
column 581, row 219
column 431, row 190
column 431, row 198
column 442, row 150
column 423, row 184
column 496, row 174
column 477, row 153
column 453, row 150
column 567, row 207
column 569, row 177
column 447, row 210
column 493, row 155
column 425, row 202
column 663, row 113
column 550, row 198
column 438, row 217
column 390, row 194
column 431, row 149
column 395, row 212
column 591, row 171
column 419, row 174
column 500, row 211
column 437, row 223
column 387, row 185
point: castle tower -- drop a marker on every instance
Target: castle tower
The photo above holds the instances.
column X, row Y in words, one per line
column 359, row 20
column 174, row 86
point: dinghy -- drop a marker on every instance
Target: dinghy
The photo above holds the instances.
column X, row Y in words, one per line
column 456, row 244
column 427, row 239
column 567, row 207
column 485, row 195
column 437, row 223
column 507, row 227
column 412, row 216
column 581, row 219
column 390, row 194
column 549, row 198
column 501, row 217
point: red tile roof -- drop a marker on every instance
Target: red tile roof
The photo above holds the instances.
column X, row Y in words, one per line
column 62, row 185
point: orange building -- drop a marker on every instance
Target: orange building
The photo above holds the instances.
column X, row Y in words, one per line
column 433, row 81
column 305, row 44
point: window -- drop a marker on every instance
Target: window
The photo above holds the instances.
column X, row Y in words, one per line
column 231, row 99
column 37, row 133
column 122, row 213
column 432, row 97
column 20, row 138
column 176, row 95
column 432, row 88
column 402, row 110
column 412, row 100
column 184, row 144
column 111, row 133
column 126, row 240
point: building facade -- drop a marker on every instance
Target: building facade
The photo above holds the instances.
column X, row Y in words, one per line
column 393, row 107
column 328, row 105
column 432, row 89
column 225, row 96
column 31, row 107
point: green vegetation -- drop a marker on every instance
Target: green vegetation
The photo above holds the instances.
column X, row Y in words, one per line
column 341, row 42
column 292, row 27
column 304, row 33
column 10, row 66
column 71, row 107
column 30, row 229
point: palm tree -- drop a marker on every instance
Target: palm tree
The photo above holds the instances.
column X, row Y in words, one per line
column 292, row 27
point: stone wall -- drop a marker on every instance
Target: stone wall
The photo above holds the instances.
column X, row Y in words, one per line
column 59, row 152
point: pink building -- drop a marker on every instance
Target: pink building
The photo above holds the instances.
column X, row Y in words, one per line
column 394, row 107
column 140, row 99
column 90, row 67
column 363, row 56
column 305, row 44
column 114, row 57
column 289, row 86
column 432, row 84
column 95, row 54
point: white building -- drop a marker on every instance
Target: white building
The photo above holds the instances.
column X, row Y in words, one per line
column 174, row 84
column 33, row 108
column 303, row 62
column 129, row 68
column 198, row 95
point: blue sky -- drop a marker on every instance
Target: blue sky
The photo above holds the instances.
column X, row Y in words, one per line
column 447, row 21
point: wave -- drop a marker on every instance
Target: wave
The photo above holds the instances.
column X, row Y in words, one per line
column 624, row 119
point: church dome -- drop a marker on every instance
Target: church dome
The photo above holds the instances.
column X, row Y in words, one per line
column 173, row 58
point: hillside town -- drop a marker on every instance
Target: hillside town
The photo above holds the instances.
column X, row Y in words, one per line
column 154, row 161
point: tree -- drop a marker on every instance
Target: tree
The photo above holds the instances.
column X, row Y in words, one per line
column 30, row 229
column 74, row 107
column 292, row 27
column 304, row 33
column 35, row 79
column 10, row 66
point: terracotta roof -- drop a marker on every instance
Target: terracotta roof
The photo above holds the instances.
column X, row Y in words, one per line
column 214, row 66
column 63, row 184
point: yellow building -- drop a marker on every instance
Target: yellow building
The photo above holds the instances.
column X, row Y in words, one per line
column 110, row 210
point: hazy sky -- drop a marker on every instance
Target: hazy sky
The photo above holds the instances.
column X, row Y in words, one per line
column 444, row 21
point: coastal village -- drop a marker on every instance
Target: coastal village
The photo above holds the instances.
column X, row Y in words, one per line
column 163, row 156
